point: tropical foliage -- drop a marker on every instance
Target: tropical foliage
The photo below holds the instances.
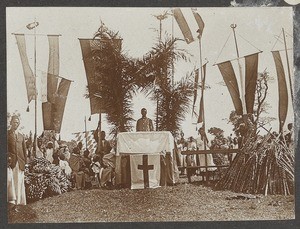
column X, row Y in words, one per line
column 260, row 105
column 173, row 98
column 119, row 77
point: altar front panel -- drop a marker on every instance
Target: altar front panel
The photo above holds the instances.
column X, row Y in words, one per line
column 145, row 142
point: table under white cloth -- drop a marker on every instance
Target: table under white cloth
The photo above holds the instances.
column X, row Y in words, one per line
column 154, row 142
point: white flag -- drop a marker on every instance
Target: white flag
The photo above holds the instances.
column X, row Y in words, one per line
column 145, row 171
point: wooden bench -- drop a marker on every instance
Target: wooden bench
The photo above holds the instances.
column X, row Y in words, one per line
column 207, row 173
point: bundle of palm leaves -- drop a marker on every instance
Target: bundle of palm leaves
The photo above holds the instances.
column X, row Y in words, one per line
column 264, row 166
column 43, row 179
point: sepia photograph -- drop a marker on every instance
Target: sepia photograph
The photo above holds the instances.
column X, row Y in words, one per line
column 150, row 114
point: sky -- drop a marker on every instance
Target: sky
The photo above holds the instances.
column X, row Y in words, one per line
column 257, row 29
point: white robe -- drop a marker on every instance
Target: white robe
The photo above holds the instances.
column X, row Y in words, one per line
column 19, row 185
column 210, row 161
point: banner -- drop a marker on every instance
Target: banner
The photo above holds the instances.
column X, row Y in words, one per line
column 251, row 63
column 199, row 22
column 144, row 171
column 229, row 77
column 44, row 87
column 28, row 74
column 183, row 25
column 53, row 67
column 88, row 46
column 201, row 108
column 195, row 88
column 88, row 137
column 282, row 90
column 60, row 102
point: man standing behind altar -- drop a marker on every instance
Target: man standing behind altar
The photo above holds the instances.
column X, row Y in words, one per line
column 144, row 123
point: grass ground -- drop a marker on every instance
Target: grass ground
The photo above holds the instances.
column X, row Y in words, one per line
column 183, row 202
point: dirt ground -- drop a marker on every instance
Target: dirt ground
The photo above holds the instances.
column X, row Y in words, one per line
column 183, row 202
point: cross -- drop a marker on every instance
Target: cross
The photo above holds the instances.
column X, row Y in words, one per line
column 145, row 167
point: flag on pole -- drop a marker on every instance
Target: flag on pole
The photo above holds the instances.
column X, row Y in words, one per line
column 88, row 47
column 28, row 74
column 44, row 87
column 53, row 66
column 282, row 89
column 229, row 77
column 59, row 104
column 32, row 25
column 201, row 108
column 89, row 135
column 251, row 63
column 183, row 25
column 195, row 88
column 199, row 22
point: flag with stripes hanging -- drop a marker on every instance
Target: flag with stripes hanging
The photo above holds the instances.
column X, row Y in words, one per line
column 183, row 25
column 229, row 77
column 53, row 67
column 282, row 89
column 251, row 65
column 201, row 108
column 28, row 74
column 87, row 139
column 195, row 87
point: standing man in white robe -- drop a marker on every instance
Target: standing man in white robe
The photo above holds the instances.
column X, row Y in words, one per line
column 18, row 158
column 200, row 145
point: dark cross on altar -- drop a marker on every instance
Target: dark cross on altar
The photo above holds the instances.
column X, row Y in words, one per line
column 145, row 167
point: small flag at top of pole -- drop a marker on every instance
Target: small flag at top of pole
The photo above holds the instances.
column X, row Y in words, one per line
column 32, row 25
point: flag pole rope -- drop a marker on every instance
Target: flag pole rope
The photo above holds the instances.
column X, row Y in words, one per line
column 249, row 42
column 38, row 34
column 223, row 47
column 276, row 41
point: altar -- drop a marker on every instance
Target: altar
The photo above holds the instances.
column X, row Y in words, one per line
column 145, row 159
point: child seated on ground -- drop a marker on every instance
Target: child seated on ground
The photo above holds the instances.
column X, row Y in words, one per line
column 77, row 166
column 64, row 165
column 88, row 173
column 96, row 168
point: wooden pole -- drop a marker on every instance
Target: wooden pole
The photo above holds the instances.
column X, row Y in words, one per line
column 35, row 100
column 85, row 133
column 288, row 66
column 233, row 26
column 99, row 132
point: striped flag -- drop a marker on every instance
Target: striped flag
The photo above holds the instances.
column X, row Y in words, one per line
column 28, row 74
column 183, row 25
column 230, row 80
column 201, row 108
column 282, row 90
column 195, row 88
column 91, row 143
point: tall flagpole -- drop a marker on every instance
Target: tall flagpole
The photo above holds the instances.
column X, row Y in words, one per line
column 160, row 17
column 288, row 66
column 85, row 132
column 233, row 26
column 202, row 91
column 35, row 101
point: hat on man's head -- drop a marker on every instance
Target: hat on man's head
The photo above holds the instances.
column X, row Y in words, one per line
column 14, row 117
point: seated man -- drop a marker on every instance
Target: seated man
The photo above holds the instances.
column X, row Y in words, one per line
column 104, row 147
column 108, row 165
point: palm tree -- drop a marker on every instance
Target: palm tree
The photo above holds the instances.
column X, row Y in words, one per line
column 173, row 98
column 117, row 79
